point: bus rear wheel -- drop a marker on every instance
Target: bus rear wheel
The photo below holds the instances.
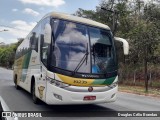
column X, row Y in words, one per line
column 33, row 92
column 16, row 82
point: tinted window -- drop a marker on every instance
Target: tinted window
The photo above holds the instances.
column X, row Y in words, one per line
column 44, row 46
column 82, row 48
column 101, row 48
column 23, row 48
column 29, row 43
column 71, row 40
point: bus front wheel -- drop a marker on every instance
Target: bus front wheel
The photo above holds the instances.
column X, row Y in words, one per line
column 34, row 98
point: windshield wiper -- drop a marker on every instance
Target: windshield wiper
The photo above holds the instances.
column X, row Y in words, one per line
column 85, row 58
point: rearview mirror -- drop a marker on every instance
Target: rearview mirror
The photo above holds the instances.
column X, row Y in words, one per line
column 125, row 45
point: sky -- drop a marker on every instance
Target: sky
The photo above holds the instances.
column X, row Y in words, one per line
column 20, row 16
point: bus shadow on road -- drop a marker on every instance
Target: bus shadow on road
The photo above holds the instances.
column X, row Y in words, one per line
column 92, row 110
column 88, row 110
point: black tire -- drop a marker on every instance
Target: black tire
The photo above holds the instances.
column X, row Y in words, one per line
column 34, row 98
column 16, row 83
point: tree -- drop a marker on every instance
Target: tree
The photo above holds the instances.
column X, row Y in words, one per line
column 138, row 22
column 7, row 54
column 144, row 41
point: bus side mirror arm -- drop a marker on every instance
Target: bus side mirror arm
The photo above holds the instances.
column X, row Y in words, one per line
column 125, row 45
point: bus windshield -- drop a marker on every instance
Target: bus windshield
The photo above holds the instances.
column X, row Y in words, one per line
column 71, row 42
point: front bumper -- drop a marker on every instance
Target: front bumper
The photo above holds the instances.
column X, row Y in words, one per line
column 70, row 97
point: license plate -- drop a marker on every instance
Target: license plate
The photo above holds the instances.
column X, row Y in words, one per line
column 89, row 98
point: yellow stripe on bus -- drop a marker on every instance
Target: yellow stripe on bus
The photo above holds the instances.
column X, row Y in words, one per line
column 77, row 81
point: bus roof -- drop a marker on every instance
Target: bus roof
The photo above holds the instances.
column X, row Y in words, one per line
column 76, row 19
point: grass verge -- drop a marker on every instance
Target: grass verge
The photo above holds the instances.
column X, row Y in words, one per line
column 153, row 92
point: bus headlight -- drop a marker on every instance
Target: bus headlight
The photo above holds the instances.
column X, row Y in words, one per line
column 57, row 83
column 113, row 85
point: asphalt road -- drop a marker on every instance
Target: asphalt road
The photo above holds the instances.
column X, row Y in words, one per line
column 20, row 100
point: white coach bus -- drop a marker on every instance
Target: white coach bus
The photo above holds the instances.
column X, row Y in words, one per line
column 68, row 60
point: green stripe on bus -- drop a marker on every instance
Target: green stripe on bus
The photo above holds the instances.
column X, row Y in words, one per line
column 26, row 60
column 25, row 65
column 107, row 81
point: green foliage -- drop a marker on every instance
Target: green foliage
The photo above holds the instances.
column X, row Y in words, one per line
column 7, row 54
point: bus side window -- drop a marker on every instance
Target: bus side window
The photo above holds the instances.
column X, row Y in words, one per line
column 34, row 42
column 44, row 49
column 34, row 38
column 44, row 46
